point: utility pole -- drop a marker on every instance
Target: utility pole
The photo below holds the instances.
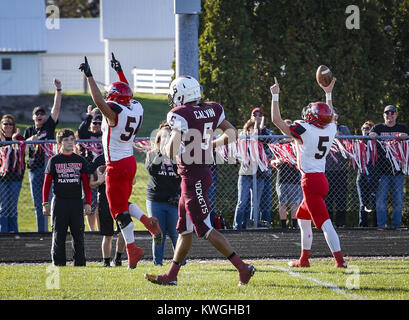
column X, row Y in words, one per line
column 187, row 37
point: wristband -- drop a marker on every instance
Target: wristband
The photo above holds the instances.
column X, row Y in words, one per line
column 328, row 95
column 275, row 96
column 45, row 204
column 59, row 89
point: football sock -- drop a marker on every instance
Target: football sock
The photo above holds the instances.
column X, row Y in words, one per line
column 118, row 255
column 306, row 233
column 128, row 234
column 173, row 270
column 236, row 261
column 283, row 224
column 338, row 257
column 135, row 212
column 305, row 254
column 331, row 236
column 107, row 261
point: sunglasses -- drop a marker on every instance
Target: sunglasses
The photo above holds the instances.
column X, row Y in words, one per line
column 366, row 128
column 389, row 112
column 40, row 113
column 96, row 123
column 257, row 114
column 7, row 124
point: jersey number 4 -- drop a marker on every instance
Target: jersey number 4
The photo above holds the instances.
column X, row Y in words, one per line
column 321, row 147
column 131, row 130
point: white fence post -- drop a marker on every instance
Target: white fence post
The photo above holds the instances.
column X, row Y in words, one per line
column 151, row 80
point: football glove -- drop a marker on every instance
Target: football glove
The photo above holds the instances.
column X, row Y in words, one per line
column 84, row 67
column 115, row 64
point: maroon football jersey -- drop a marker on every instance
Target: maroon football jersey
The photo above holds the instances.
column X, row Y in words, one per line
column 197, row 124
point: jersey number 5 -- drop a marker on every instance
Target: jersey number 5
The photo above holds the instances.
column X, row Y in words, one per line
column 321, row 147
column 129, row 129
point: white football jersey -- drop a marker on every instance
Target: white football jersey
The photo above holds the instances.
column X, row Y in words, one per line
column 118, row 140
column 315, row 146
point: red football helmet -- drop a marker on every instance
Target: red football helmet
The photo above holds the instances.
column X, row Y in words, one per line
column 119, row 92
column 319, row 114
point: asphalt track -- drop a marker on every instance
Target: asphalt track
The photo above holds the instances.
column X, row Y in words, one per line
column 250, row 244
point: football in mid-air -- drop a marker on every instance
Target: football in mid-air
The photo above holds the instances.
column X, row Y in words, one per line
column 324, row 75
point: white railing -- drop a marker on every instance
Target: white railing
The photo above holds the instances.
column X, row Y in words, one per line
column 151, row 80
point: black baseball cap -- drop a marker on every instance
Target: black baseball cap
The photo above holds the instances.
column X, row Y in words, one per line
column 39, row 108
column 390, row 108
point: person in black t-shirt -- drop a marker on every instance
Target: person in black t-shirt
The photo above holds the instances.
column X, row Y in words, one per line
column 163, row 191
column 390, row 178
column 97, row 181
column 69, row 173
column 43, row 129
column 90, row 128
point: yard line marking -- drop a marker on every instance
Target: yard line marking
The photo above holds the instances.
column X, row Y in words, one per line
column 328, row 285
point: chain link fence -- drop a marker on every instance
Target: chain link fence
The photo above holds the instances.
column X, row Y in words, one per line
column 255, row 184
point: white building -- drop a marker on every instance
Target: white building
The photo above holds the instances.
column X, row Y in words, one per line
column 66, row 48
column 22, row 39
column 141, row 33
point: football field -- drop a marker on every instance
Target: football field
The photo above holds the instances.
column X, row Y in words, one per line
column 365, row 279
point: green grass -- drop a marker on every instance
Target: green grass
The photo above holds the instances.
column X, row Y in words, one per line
column 155, row 110
column 378, row 279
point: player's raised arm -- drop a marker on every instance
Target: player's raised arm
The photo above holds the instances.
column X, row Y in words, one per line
column 275, row 110
column 96, row 93
column 117, row 67
column 328, row 92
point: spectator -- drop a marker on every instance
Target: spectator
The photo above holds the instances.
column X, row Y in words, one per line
column 288, row 187
column 337, row 175
column 390, row 178
column 12, row 168
column 248, row 198
column 163, row 192
column 69, row 172
column 257, row 115
column 367, row 185
column 97, row 181
column 43, row 129
column 90, row 128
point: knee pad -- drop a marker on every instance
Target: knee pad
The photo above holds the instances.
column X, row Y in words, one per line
column 123, row 219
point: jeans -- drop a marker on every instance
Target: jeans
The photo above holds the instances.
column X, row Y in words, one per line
column 36, row 177
column 9, row 193
column 395, row 184
column 245, row 194
column 167, row 216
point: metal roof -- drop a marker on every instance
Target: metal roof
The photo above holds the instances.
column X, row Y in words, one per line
column 22, row 26
column 137, row 19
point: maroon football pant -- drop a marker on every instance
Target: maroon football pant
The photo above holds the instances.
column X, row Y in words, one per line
column 194, row 207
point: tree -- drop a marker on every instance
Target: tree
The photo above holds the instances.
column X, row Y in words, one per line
column 76, row 8
column 226, row 57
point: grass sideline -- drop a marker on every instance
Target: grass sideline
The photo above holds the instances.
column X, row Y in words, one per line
column 366, row 279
